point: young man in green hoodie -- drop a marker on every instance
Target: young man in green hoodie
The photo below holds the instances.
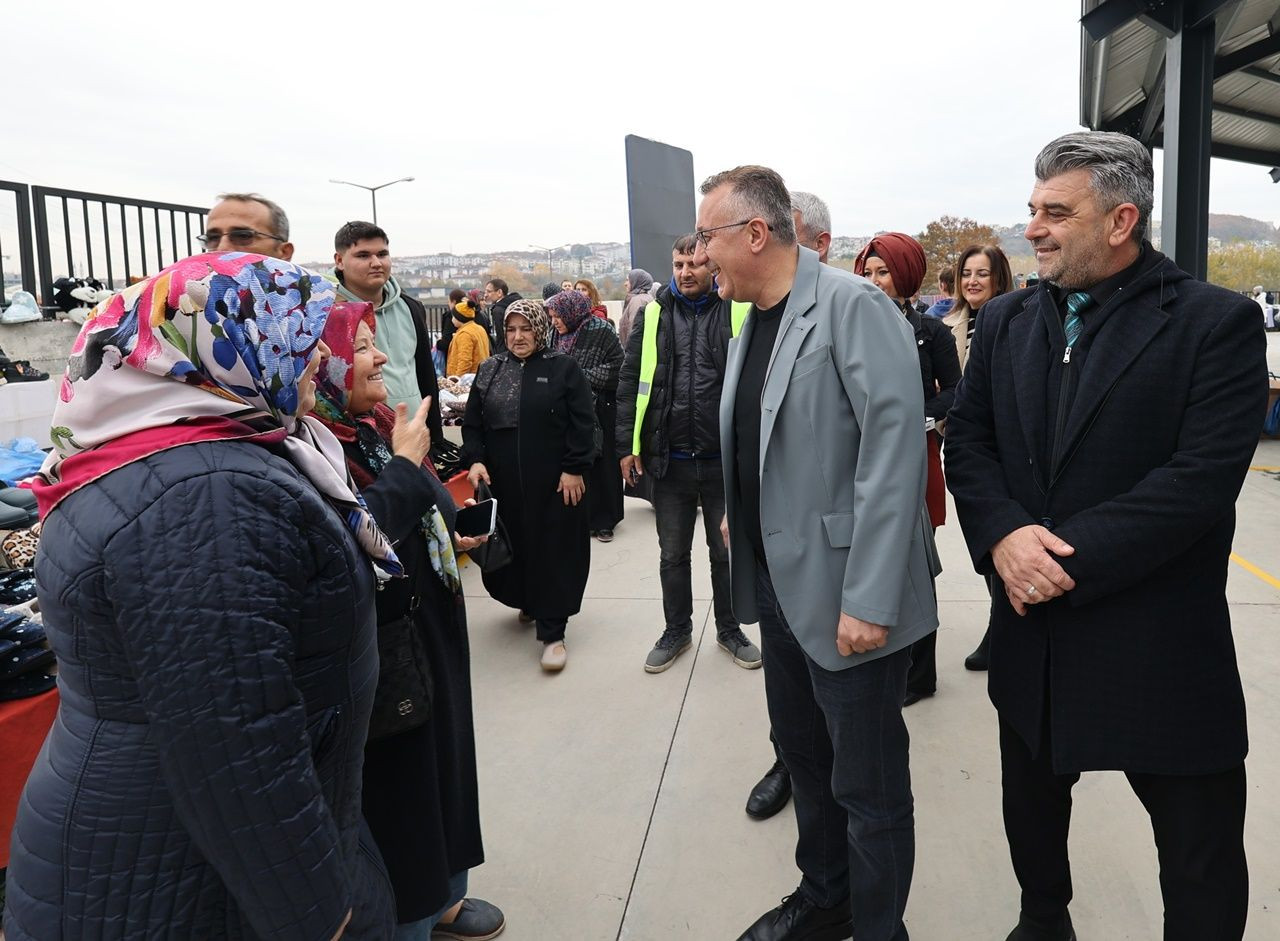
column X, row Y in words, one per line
column 362, row 260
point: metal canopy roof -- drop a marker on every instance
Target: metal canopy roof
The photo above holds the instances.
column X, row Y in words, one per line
column 1122, row 70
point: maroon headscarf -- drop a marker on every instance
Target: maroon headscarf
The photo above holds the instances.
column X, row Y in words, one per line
column 902, row 255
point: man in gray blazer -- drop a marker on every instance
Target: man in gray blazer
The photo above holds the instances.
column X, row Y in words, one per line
column 830, row 548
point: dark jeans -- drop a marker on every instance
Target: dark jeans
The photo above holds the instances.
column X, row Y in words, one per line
column 922, row 678
column 1198, row 822
column 675, row 503
column 846, row 746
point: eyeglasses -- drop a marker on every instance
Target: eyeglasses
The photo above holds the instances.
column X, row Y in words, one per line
column 701, row 234
column 240, row 237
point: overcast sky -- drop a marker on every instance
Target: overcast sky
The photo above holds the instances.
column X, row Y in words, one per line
column 512, row 115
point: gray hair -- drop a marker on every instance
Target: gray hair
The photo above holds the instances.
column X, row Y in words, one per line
column 814, row 212
column 279, row 221
column 1119, row 169
column 758, row 191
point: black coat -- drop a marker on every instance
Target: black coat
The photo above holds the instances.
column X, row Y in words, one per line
column 939, row 364
column 1139, row 656
column 551, row 541
column 420, row 794
column 214, row 625
column 684, row 404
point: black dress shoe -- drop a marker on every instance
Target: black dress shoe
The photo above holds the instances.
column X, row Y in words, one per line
column 980, row 659
column 1034, row 929
column 798, row 919
column 771, row 793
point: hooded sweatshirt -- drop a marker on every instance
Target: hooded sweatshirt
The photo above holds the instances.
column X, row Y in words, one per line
column 398, row 339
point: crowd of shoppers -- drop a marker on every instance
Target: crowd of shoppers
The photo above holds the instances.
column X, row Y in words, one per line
column 249, row 572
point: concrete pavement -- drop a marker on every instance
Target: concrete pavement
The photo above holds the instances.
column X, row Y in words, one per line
column 612, row 799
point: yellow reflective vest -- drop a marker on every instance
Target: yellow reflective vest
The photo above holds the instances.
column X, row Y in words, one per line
column 738, row 311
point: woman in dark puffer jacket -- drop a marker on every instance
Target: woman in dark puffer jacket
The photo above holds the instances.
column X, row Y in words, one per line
column 206, row 574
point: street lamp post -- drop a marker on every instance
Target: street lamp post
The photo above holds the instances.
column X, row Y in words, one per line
column 373, row 191
column 551, row 273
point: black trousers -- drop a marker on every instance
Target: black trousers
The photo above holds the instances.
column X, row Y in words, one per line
column 1198, row 821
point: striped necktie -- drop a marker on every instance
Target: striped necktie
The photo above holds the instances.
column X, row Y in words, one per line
column 1074, row 323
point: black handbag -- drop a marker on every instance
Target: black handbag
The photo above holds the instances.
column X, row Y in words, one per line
column 497, row 552
column 402, row 700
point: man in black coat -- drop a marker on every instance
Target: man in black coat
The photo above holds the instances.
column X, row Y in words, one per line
column 1098, row 443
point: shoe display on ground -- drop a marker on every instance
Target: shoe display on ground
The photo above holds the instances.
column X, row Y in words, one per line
column 914, row 696
column 20, row 370
column 771, row 793
column 477, row 920
column 745, row 654
column 798, row 919
column 1031, row 929
column 554, row 656
column 670, row 645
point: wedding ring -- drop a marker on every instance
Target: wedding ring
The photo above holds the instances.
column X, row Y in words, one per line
column 1031, row 590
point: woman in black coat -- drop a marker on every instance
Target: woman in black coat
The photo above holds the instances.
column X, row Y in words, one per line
column 528, row 433
column 593, row 345
column 206, row 575
column 420, row 792
column 896, row 264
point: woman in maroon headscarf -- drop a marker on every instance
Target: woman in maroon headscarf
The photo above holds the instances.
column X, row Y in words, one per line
column 895, row 263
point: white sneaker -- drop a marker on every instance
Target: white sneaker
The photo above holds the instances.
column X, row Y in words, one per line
column 554, row 656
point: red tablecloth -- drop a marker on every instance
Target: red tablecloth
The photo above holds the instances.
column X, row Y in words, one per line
column 24, row 723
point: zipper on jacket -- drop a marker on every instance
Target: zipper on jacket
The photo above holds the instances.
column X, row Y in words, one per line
column 693, row 382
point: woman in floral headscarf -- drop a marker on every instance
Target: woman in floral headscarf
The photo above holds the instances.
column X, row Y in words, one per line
column 592, row 343
column 420, row 794
column 528, row 435
column 205, row 578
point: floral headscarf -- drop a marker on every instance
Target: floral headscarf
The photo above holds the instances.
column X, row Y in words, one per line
column 369, row 434
column 573, row 309
column 213, row 347
column 534, row 312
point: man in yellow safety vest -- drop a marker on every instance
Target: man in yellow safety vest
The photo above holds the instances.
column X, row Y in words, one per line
column 669, row 429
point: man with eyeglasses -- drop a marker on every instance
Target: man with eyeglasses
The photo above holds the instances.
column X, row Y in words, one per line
column 247, row 222
column 813, row 230
column 830, row 549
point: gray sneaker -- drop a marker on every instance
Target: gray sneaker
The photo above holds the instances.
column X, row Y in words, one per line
column 745, row 654
column 670, row 645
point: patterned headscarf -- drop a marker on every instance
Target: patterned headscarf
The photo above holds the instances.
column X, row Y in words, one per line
column 550, row 290
column 213, row 347
column 902, row 255
column 368, row 435
column 534, row 312
column 573, row 309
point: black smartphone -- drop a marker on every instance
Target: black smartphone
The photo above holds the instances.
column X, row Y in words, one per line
column 478, row 520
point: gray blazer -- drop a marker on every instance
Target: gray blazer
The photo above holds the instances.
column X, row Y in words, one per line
column 842, row 459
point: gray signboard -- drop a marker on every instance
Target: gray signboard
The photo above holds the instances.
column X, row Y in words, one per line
column 660, row 200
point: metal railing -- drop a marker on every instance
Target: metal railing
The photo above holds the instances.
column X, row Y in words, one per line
column 26, row 259
column 140, row 227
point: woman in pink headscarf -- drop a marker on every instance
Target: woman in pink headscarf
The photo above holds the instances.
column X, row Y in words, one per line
column 896, row 264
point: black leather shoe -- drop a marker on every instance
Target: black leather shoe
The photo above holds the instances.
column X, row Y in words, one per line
column 798, row 919
column 771, row 793
column 980, row 659
column 1033, row 929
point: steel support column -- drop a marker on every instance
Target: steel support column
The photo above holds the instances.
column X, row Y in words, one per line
column 1188, row 126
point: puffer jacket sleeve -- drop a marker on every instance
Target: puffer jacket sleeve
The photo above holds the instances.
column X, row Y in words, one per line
column 207, row 584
